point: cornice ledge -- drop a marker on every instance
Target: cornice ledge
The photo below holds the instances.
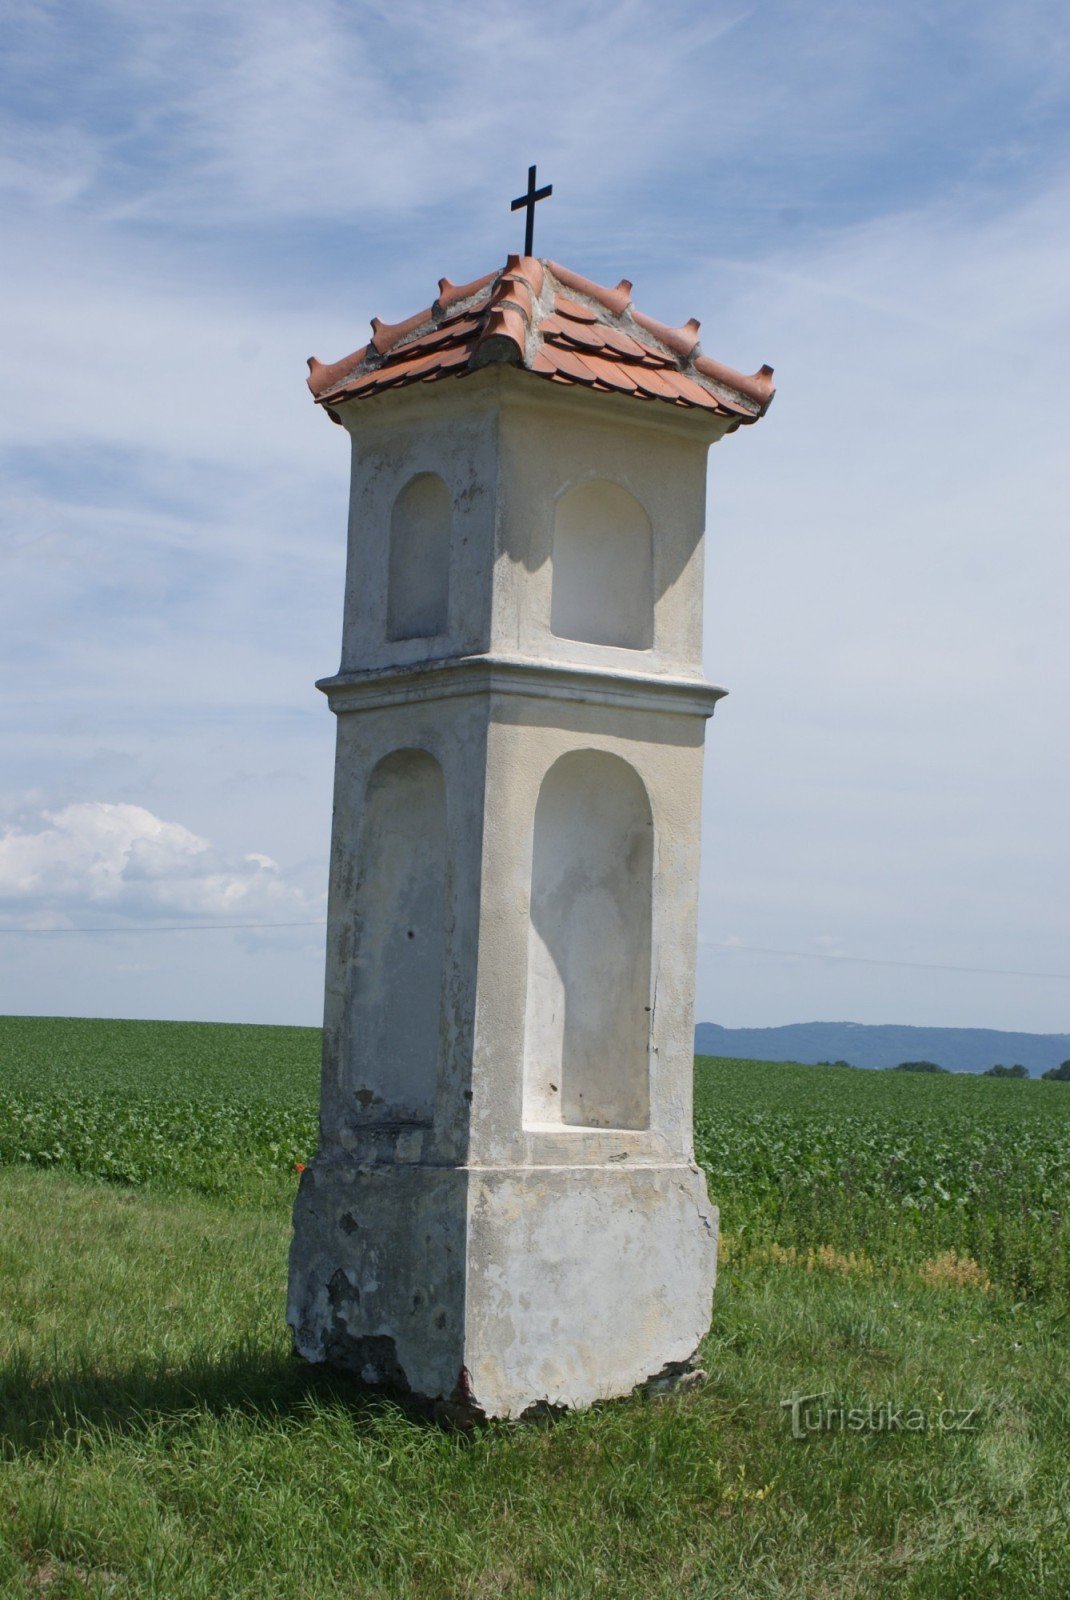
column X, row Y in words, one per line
column 455, row 676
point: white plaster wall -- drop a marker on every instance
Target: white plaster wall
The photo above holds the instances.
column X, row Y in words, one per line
column 583, row 1284
column 421, row 528
column 495, row 748
column 603, row 567
column 399, row 935
column 526, row 736
column 587, row 1029
column 509, row 448
column 553, row 442
column 554, row 1285
column 569, row 1260
column 360, row 1079
column 395, row 439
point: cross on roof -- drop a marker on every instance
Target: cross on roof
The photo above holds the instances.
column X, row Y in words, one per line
column 528, row 202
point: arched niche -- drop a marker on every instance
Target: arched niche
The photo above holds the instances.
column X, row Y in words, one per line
column 587, row 1035
column 603, row 567
column 419, row 581
column 399, row 941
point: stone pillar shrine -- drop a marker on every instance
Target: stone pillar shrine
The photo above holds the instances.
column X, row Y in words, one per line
column 505, row 1210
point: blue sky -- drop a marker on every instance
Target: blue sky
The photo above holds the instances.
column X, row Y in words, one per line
column 873, row 199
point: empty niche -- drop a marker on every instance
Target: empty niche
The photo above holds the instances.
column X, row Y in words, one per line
column 587, row 1034
column 419, row 581
column 400, row 909
column 603, row 577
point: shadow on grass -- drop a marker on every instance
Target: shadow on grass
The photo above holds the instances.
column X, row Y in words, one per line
column 39, row 1409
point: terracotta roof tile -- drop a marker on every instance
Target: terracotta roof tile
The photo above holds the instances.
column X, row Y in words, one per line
column 682, row 341
column 451, row 332
column 657, row 384
column 617, row 376
column 756, row 386
column 504, row 338
column 449, row 294
column 322, row 377
column 624, row 345
column 584, row 335
column 527, row 269
column 522, row 316
column 688, row 389
column 361, row 385
column 386, row 335
column 573, row 310
column 573, row 365
column 614, row 300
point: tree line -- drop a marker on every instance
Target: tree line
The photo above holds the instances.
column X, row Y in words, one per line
column 1059, row 1074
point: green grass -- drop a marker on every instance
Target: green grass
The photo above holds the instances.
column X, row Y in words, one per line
column 158, row 1439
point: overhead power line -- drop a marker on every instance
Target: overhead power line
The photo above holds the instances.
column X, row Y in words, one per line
column 166, row 927
column 879, row 961
column 718, row 949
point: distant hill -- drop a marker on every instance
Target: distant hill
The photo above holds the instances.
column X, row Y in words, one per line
column 958, row 1049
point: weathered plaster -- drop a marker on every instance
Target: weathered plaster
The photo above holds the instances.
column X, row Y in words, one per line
column 513, row 878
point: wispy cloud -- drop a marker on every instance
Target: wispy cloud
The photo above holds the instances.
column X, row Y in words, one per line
column 874, row 199
column 315, row 108
column 225, row 114
column 895, row 770
column 100, row 857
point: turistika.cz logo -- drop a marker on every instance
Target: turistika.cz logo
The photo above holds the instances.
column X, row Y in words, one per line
column 812, row 1413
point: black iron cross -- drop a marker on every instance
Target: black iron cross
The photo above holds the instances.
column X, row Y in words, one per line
column 528, row 202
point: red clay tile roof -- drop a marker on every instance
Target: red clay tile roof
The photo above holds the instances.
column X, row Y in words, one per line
column 558, row 326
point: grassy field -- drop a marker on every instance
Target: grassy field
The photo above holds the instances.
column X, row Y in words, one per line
column 897, row 1245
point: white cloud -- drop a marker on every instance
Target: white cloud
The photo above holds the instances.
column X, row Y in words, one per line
column 122, row 861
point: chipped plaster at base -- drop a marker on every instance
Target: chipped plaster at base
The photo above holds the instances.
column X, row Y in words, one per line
column 512, row 1289
column 582, row 1286
column 377, row 1273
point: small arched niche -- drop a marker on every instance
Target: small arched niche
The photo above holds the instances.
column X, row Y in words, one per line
column 587, row 1034
column 419, row 580
column 603, row 568
column 400, row 941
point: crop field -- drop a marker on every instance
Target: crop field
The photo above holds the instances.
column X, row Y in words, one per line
column 217, row 1109
column 901, row 1167
column 888, row 1240
column 797, row 1156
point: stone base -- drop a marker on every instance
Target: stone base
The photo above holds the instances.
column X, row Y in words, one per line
column 498, row 1291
